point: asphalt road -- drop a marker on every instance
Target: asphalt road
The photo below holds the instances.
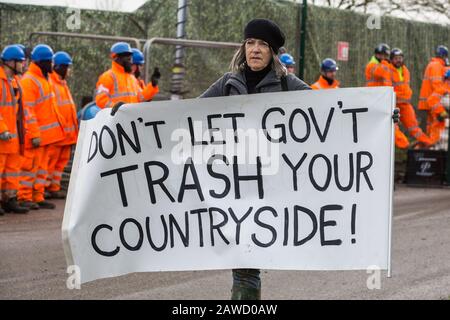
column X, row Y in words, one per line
column 32, row 263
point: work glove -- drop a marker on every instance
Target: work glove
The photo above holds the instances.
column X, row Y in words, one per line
column 36, row 142
column 155, row 77
column 5, row 136
column 116, row 107
column 396, row 115
column 442, row 116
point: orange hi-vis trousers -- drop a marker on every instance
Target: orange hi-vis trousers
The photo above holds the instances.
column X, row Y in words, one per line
column 60, row 156
column 401, row 141
column 30, row 166
column 34, row 174
column 409, row 120
column 435, row 128
column 9, row 174
column 41, row 175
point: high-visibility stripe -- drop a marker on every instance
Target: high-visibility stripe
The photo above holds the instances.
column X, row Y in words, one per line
column 26, row 183
column 37, row 83
column 59, row 99
column 39, row 100
column 27, row 174
column 49, row 126
column 40, row 181
column 380, row 81
column 57, row 173
column 7, row 104
column 12, row 93
column 56, row 182
column 70, row 129
column 8, row 191
column 65, row 103
column 42, row 97
column 42, row 172
column 117, row 93
column 10, row 174
column 417, row 134
column 432, row 78
column 437, row 95
column 124, row 94
column 115, row 82
column 97, row 92
column 3, row 101
column 435, row 106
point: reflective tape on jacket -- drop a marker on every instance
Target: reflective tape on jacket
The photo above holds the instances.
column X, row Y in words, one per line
column 8, row 114
column 42, row 97
column 39, row 98
column 49, row 126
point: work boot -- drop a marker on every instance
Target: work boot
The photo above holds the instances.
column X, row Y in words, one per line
column 57, row 195
column 11, row 205
column 46, row 205
column 29, row 205
column 241, row 293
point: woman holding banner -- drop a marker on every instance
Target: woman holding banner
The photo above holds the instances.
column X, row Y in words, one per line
column 255, row 68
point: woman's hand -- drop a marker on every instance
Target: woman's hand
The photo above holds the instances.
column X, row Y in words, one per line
column 396, row 115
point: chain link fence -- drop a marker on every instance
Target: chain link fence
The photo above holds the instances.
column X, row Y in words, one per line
column 223, row 20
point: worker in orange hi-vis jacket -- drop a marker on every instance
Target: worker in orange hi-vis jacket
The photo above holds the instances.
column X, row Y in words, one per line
column 439, row 101
column 401, row 82
column 11, row 133
column 327, row 79
column 118, row 84
column 39, row 98
column 61, row 151
column 433, row 83
column 379, row 74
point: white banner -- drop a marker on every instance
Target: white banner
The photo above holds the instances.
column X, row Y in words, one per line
column 292, row 181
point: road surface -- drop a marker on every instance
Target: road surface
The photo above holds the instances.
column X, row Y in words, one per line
column 32, row 263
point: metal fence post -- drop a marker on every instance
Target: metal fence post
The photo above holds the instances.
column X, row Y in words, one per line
column 447, row 167
column 301, row 69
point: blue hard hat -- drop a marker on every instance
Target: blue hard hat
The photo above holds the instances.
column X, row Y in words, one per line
column 89, row 111
column 42, row 52
column 329, row 65
column 13, row 52
column 121, row 47
column 442, row 51
column 287, row 59
column 138, row 56
column 447, row 74
column 21, row 46
column 62, row 57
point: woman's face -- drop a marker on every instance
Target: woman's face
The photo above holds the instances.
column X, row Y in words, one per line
column 257, row 53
